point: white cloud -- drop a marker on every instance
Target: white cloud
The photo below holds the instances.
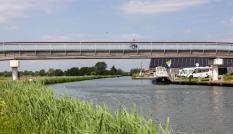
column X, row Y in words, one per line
column 91, row 37
column 227, row 23
column 16, row 8
column 12, row 28
column 187, row 30
column 13, row 9
column 160, row 6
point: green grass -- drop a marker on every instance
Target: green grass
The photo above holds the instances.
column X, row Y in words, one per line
column 228, row 77
column 29, row 107
column 193, row 79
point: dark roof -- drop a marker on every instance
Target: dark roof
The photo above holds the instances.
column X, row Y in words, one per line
column 185, row 62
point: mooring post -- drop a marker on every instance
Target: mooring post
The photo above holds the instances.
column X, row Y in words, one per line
column 222, row 80
column 189, row 79
column 199, row 79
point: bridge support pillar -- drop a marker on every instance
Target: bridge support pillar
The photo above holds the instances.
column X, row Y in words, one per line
column 215, row 63
column 14, row 64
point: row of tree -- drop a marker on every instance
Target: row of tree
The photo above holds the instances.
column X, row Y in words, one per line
column 100, row 68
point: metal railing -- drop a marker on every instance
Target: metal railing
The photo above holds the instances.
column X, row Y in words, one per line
column 114, row 46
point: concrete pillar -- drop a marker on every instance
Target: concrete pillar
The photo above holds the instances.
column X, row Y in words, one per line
column 14, row 64
column 215, row 63
column 215, row 72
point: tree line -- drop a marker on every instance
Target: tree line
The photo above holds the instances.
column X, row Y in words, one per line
column 100, row 68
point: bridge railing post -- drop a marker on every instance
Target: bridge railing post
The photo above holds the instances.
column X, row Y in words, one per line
column 164, row 47
column 203, row 48
column 50, row 49
column 65, row 48
column 35, row 48
column 80, row 48
column 151, row 48
column 123, row 47
column 4, row 49
column 109, row 47
column 19, row 49
column 229, row 48
column 190, row 48
column 216, row 48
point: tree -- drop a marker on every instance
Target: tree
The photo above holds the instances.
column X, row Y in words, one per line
column 51, row 72
column 83, row 71
column 5, row 73
column 113, row 70
column 101, row 67
column 72, row 72
column 25, row 72
column 59, row 72
column 134, row 70
column 119, row 72
column 93, row 73
column 42, row 72
column 91, row 70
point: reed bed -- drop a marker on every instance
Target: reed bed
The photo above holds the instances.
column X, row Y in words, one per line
column 30, row 107
column 53, row 80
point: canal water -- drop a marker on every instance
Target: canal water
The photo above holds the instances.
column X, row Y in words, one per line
column 191, row 109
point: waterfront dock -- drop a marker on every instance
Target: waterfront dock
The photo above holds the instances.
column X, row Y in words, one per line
column 207, row 83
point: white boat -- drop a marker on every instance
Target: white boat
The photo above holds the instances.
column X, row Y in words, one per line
column 160, row 72
column 160, row 76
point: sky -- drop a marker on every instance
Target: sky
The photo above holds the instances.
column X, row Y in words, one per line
column 108, row 20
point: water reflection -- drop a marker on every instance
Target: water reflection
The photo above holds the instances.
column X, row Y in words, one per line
column 193, row 109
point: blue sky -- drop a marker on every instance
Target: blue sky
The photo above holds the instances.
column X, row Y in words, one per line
column 105, row 20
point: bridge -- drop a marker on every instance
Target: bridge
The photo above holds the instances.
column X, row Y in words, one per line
column 15, row 51
column 113, row 50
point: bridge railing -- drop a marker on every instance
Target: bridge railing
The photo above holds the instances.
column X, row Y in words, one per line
column 111, row 46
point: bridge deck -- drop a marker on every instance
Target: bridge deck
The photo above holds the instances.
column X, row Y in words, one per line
column 113, row 50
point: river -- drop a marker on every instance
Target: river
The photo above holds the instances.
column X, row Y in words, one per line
column 191, row 109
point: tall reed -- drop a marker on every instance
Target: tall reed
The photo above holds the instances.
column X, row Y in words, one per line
column 29, row 107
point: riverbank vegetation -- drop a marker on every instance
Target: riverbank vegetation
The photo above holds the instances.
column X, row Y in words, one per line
column 29, row 107
column 193, row 79
column 228, row 77
column 100, row 68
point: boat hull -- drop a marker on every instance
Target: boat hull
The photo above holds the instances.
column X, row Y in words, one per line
column 161, row 80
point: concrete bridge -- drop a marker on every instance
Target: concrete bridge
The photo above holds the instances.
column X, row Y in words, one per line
column 15, row 51
column 113, row 50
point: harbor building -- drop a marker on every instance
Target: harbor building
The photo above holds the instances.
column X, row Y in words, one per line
column 178, row 63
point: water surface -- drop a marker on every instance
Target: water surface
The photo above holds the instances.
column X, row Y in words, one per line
column 192, row 109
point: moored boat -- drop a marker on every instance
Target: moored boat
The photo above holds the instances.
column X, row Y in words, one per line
column 161, row 80
column 160, row 76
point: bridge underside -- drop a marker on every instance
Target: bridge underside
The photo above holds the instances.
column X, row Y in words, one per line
column 113, row 54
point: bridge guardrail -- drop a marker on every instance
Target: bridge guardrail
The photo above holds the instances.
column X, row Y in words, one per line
column 111, row 46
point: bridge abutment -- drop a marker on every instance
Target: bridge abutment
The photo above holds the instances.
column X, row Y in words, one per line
column 215, row 63
column 14, row 64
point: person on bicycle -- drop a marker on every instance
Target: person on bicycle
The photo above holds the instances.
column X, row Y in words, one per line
column 133, row 45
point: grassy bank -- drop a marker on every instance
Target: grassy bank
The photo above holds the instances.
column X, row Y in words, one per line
column 29, row 107
column 228, row 77
column 53, row 80
column 61, row 79
column 193, row 79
